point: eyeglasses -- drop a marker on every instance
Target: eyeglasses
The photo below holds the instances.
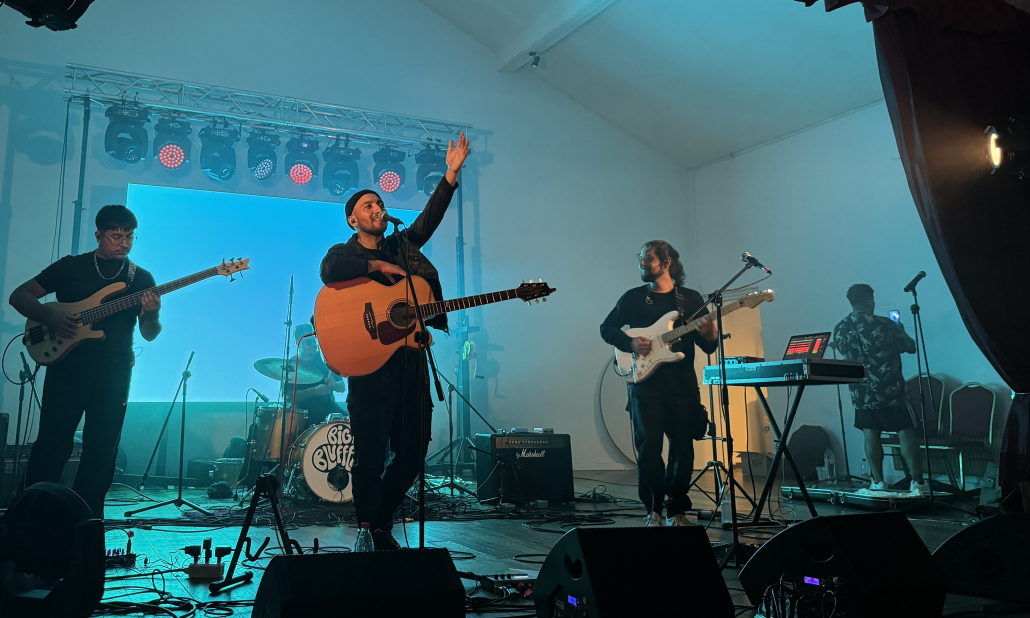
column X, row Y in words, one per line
column 118, row 239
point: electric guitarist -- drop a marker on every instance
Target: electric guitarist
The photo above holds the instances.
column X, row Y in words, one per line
column 94, row 377
column 387, row 406
column 668, row 403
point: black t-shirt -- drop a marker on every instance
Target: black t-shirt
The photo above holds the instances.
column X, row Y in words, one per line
column 322, row 405
column 75, row 277
column 634, row 310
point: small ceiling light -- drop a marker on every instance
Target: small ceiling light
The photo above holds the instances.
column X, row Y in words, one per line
column 126, row 138
column 388, row 172
column 261, row 157
column 432, row 166
column 301, row 160
column 171, row 145
column 340, row 175
column 536, row 61
column 1008, row 147
column 217, row 155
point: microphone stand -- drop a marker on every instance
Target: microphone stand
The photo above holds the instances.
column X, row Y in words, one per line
column 178, row 501
column 283, row 384
column 451, row 484
column 920, row 339
column 25, row 376
column 735, row 548
column 423, row 341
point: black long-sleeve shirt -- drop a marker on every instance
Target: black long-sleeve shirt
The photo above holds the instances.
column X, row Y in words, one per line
column 349, row 260
column 634, row 310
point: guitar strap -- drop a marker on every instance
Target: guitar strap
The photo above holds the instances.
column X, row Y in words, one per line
column 131, row 274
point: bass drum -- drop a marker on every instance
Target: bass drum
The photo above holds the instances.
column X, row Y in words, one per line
column 320, row 463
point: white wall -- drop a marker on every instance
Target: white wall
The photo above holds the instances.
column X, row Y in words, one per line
column 551, row 191
column 824, row 209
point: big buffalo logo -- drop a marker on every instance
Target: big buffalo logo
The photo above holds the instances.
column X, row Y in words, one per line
column 337, row 451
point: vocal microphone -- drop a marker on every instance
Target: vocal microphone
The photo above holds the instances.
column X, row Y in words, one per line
column 390, row 219
column 750, row 259
column 912, row 284
column 260, row 396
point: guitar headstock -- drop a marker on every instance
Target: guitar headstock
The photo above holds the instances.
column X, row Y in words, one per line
column 233, row 266
column 533, row 291
column 753, row 299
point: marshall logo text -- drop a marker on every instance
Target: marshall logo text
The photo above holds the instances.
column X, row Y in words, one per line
column 527, row 453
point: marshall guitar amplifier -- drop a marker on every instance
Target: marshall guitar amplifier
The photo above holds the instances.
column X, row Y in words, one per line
column 522, row 467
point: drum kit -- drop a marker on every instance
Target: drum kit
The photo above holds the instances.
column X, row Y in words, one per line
column 318, row 458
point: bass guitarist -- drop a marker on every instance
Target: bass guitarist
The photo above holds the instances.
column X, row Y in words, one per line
column 94, row 377
column 385, row 405
column 668, row 402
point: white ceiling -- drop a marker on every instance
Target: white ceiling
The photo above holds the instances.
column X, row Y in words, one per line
column 696, row 80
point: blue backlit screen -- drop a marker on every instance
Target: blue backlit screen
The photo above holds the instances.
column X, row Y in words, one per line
column 229, row 325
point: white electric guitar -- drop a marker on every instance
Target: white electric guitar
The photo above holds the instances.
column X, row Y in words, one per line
column 636, row 368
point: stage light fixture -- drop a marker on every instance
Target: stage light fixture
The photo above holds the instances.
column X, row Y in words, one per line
column 217, row 155
column 126, row 138
column 388, row 172
column 56, row 15
column 1008, row 147
column 432, row 166
column 301, row 160
column 261, row 157
column 340, row 175
column 171, row 146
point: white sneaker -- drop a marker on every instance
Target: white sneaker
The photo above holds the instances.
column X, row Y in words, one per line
column 679, row 519
column 919, row 488
column 881, row 486
column 654, row 520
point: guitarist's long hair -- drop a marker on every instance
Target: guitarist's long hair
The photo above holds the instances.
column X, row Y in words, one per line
column 664, row 251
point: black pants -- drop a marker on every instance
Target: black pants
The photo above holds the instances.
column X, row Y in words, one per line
column 389, row 444
column 678, row 416
column 98, row 387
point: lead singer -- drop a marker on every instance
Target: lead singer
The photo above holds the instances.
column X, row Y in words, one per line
column 385, row 405
column 668, row 402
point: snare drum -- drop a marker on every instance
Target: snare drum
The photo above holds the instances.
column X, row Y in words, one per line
column 268, row 423
column 320, row 463
column 227, row 469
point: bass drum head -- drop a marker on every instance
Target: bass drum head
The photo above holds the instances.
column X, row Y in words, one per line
column 326, row 456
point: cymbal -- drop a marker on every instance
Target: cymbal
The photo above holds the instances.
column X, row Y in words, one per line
column 273, row 368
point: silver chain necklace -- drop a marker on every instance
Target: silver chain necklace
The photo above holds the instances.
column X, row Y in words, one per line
column 97, row 266
column 646, row 300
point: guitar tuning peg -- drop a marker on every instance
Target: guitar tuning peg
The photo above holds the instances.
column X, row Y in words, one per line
column 545, row 299
column 523, row 281
column 538, row 301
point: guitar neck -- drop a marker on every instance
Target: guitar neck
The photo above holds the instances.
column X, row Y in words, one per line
column 110, row 308
column 466, row 302
column 689, row 327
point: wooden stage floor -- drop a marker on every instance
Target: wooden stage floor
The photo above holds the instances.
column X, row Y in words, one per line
column 494, row 542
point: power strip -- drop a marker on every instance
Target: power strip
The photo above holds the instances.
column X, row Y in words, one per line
column 120, row 561
column 202, row 570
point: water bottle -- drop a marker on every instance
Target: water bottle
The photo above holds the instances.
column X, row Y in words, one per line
column 831, row 465
column 864, row 470
column 364, row 542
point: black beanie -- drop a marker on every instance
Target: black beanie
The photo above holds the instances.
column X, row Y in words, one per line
column 353, row 201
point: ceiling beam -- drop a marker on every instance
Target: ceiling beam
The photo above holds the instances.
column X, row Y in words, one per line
column 547, row 31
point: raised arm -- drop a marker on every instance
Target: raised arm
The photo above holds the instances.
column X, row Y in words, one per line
column 429, row 219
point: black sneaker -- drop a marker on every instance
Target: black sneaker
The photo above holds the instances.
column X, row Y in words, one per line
column 384, row 541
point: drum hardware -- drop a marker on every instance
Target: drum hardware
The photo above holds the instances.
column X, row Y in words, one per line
column 276, row 368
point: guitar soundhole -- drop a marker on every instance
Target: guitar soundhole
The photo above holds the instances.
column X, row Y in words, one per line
column 402, row 314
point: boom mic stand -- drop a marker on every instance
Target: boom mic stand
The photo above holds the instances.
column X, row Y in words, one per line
column 178, row 501
column 715, row 465
column 456, row 443
column 735, row 550
column 917, row 330
column 283, row 384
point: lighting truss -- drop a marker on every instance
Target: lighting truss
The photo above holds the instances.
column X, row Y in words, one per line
column 202, row 103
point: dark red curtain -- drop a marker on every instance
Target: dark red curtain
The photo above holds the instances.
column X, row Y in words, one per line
column 950, row 68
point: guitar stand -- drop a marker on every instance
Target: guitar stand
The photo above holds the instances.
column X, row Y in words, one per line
column 266, row 487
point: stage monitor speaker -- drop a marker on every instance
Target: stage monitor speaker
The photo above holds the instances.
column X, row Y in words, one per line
column 990, row 559
column 875, row 563
column 622, row 572
column 420, row 582
column 522, row 467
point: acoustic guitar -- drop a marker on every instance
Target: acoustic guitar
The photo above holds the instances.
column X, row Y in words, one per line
column 360, row 323
column 46, row 347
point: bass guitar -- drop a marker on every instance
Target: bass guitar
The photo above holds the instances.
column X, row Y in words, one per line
column 46, row 347
column 635, row 368
column 360, row 323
